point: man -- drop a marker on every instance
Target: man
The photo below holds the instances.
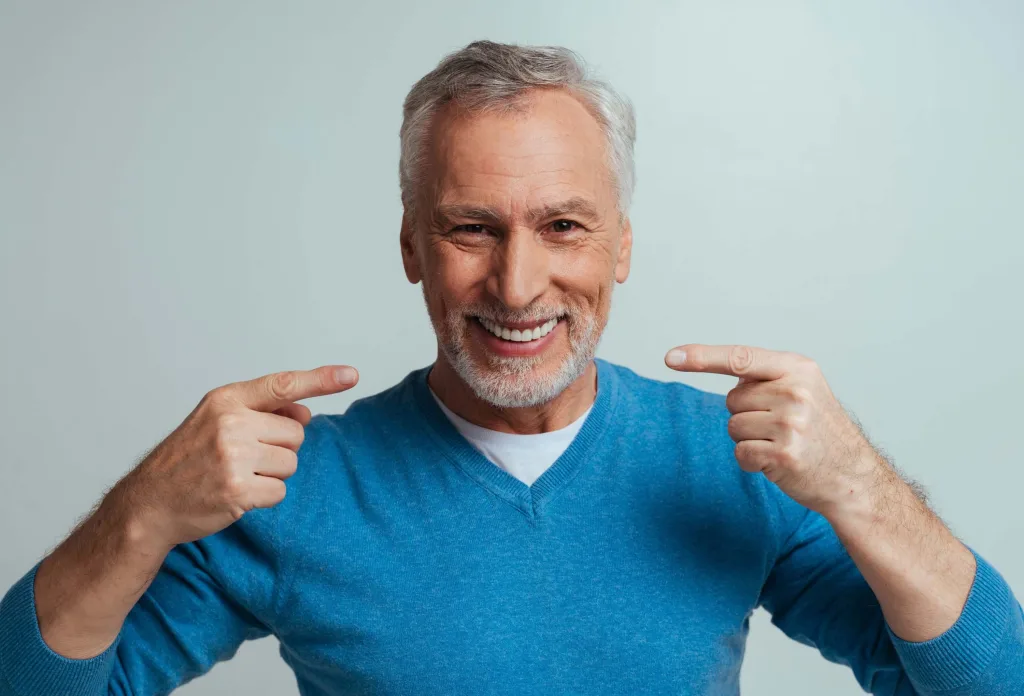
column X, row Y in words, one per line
column 518, row 517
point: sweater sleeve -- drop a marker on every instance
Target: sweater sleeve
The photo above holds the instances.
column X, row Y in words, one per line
column 816, row 595
column 185, row 622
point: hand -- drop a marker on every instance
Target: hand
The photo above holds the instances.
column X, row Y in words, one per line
column 230, row 455
column 788, row 425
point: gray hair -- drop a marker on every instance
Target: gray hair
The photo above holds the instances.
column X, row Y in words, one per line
column 486, row 75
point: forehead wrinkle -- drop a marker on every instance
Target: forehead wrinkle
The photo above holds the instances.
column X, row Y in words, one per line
column 518, row 165
column 554, row 175
column 472, row 211
column 574, row 205
column 556, row 148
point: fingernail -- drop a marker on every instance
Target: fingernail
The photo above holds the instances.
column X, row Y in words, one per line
column 676, row 357
column 345, row 375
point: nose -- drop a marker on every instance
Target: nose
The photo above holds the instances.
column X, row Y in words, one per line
column 521, row 271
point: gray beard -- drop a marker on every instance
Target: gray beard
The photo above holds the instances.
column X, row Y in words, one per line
column 510, row 382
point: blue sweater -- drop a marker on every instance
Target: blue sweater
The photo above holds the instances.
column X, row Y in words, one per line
column 402, row 561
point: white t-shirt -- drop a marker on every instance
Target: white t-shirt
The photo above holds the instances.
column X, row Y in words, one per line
column 524, row 456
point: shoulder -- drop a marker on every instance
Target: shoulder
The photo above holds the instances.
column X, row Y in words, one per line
column 670, row 400
column 666, row 415
column 336, row 450
column 675, row 417
column 369, row 423
column 341, row 451
column 700, row 419
column 336, row 464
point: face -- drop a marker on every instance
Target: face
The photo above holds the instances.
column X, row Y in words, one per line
column 518, row 242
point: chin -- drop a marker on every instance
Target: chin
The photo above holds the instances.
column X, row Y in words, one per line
column 507, row 382
column 518, row 381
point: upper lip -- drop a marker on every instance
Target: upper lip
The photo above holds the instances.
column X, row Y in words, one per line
column 519, row 324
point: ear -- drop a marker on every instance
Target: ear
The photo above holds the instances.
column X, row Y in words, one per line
column 409, row 257
column 625, row 250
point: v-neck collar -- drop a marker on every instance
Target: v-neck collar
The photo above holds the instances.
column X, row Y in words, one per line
column 530, row 500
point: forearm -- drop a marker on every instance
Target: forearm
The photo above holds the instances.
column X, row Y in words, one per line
column 919, row 572
column 86, row 587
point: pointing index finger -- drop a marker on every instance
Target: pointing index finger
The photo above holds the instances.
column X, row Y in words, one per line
column 275, row 390
column 745, row 362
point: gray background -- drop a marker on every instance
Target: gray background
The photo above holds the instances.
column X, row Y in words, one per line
column 193, row 193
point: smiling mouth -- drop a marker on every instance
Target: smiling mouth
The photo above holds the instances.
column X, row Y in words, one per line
column 519, row 335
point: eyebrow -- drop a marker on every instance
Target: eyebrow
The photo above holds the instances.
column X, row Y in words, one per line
column 577, row 205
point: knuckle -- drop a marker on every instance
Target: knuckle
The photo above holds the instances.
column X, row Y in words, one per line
column 807, row 364
column 732, row 427
column 227, row 449
column 291, row 463
column 282, row 384
column 228, row 421
column 281, row 492
column 732, row 401
column 299, row 433
column 742, row 450
column 796, row 421
column 234, row 487
column 799, row 394
column 214, row 397
column 741, row 359
column 747, row 458
column 788, row 456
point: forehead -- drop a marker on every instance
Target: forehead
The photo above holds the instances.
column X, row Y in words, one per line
column 550, row 148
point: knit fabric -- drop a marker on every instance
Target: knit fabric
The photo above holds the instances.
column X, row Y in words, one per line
column 402, row 561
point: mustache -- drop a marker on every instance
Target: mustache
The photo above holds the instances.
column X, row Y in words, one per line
column 503, row 315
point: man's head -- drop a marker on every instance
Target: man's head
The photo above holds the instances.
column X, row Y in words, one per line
column 516, row 173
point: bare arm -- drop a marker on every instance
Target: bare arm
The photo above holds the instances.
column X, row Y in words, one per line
column 919, row 572
column 949, row 617
column 86, row 587
column 229, row 456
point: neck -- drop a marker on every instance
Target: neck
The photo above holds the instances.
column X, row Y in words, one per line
column 558, row 413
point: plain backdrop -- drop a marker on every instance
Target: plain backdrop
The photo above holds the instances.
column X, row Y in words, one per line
column 194, row 193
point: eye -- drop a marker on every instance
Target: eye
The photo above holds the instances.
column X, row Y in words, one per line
column 563, row 226
column 472, row 229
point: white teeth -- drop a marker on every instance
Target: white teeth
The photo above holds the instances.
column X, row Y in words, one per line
column 519, row 335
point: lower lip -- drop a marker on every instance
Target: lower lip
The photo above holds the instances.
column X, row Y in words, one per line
column 515, row 349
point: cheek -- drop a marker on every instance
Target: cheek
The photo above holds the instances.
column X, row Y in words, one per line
column 584, row 276
column 455, row 276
